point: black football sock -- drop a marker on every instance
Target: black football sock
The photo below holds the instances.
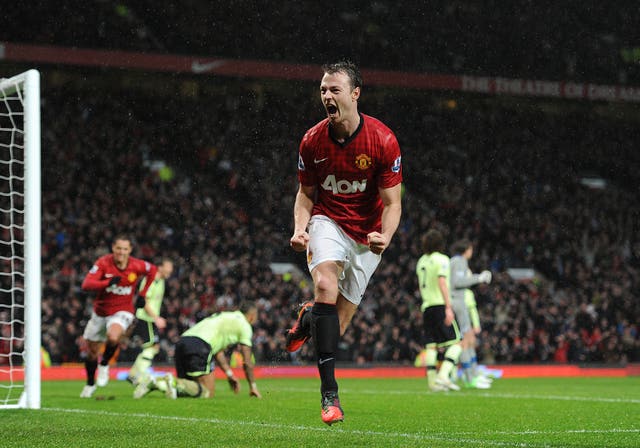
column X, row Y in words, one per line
column 325, row 331
column 305, row 322
column 109, row 350
column 90, row 366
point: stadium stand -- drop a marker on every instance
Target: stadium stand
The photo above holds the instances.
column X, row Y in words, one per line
column 587, row 41
column 508, row 179
column 203, row 171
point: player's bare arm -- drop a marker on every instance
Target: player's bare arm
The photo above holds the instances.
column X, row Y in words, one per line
column 160, row 321
column 95, row 279
column 301, row 216
column 448, row 311
column 246, row 353
column 391, row 198
column 221, row 361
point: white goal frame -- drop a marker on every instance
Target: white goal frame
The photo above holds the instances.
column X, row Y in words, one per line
column 27, row 86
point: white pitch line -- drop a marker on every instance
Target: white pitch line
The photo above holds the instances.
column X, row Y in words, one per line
column 448, row 437
column 535, row 432
column 481, row 394
column 563, row 398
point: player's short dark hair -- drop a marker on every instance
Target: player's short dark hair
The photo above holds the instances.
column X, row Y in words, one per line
column 460, row 246
column 246, row 305
column 121, row 237
column 432, row 241
column 348, row 68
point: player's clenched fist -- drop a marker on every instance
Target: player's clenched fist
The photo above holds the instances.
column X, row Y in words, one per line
column 299, row 241
column 377, row 242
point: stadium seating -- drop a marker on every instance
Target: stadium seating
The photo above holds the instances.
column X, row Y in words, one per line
column 512, row 175
column 508, row 179
column 586, row 41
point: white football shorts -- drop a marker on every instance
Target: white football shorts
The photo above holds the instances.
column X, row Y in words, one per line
column 97, row 326
column 327, row 242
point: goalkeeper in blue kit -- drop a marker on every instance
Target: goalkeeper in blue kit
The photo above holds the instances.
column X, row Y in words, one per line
column 464, row 307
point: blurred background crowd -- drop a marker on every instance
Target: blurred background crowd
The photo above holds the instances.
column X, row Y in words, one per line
column 203, row 171
column 584, row 40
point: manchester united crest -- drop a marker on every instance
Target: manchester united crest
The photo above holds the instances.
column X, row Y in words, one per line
column 363, row 161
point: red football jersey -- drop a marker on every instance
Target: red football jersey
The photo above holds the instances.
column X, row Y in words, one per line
column 349, row 174
column 111, row 299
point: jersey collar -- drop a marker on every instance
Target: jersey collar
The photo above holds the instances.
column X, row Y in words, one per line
column 351, row 137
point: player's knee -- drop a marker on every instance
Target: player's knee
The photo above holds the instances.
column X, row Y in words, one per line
column 204, row 391
column 150, row 352
column 453, row 353
column 93, row 351
column 113, row 339
column 326, row 289
column 114, row 334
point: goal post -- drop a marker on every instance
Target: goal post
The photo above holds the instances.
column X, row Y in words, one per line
column 20, row 241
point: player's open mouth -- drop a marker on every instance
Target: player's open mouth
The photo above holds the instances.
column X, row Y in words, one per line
column 331, row 109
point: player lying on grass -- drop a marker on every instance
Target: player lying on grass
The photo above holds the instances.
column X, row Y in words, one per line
column 198, row 347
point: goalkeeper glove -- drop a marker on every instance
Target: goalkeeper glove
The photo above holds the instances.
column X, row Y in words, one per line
column 485, row 277
column 114, row 280
column 140, row 301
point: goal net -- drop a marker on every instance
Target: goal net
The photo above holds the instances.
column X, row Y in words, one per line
column 20, row 274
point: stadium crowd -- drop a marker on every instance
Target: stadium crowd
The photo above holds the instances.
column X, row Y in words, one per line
column 582, row 41
column 219, row 205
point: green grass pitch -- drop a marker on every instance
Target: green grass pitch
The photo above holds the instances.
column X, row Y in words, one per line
column 540, row 412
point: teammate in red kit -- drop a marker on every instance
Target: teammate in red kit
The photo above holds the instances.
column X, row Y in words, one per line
column 115, row 277
column 346, row 211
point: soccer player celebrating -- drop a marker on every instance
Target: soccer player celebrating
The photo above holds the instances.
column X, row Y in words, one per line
column 197, row 347
column 115, row 278
column 441, row 330
column 150, row 321
column 346, row 211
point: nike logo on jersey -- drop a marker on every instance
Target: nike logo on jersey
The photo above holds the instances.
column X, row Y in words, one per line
column 322, row 361
column 316, row 161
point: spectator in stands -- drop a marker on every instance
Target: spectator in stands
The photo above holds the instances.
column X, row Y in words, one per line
column 227, row 235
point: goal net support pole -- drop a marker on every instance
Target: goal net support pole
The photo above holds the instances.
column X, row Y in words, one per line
column 32, row 262
column 20, row 114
